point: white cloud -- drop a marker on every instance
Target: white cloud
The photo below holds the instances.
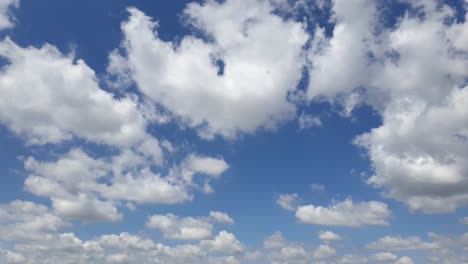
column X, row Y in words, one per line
column 62, row 99
column 412, row 74
column 205, row 165
column 464, row 220
column 89, row 189
column 183, row 77
column 324, row 252
column 329, row 236
column 308, row 121
column 274, row 241
column 6, row 20
column 87, row 209
column 401, row 243
column 384, row 257
column 221, row 217
column 404, row 260
column 26, row 221
column 12, row 257
column 288, row 202
column 187, row 228
column 345, row 213
column 224, row 243
column 291, row 253
column 317, row 187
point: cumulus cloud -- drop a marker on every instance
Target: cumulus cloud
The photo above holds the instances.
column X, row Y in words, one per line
column 62, row 100
column 288, row 201
column 404, row 260
column 413, row 74
column 236, row 83
column 278, row 250
column 27, row 221
column 274, row 241
column 345, row 213
column 89, row 189
column 329, row 236
column 221, row 217
column 401, row 243
column 206, row 165
column 384, row 257
column 224, row 243
column 187, row 228
column 324, row 252
column 34, row 235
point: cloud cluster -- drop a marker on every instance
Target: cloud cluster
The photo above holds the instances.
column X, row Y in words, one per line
column 36, row 235
column 232, row 81
column 187, row 228
column 413, row 74
column 89, row 189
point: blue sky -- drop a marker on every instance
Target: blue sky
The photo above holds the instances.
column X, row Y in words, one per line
column 253, row 131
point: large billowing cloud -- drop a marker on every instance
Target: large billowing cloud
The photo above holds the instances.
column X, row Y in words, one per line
column 250, row 89
column 414, row 75
column 48, row 97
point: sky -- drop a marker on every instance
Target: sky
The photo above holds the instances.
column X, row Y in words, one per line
column 234, row 131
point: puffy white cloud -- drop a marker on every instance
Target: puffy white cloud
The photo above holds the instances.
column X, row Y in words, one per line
column 442, row 249
column 401, row 243
column 288, row 202
column 419, row 153
column 413, row 75
column 447, row 256
column 6, row 20
column 345, row 213
column 221, row 217
column 404, row 260
column 223, row 243
column 205, row 165
column 251, row 89
column 124, row 241
column 55, row 247
column 329, row 236
column 87, row 209
column 186, row 228
column 324, row 252
column 62, row 99
column 291, row 253
column 274, row 241
column 89, row 189
column 338, row 63
column 26, row 221
column 384, row 257
column 278, row 250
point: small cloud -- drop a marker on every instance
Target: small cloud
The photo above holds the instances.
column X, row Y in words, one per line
column 288, row 201
column 308, row 121
column 317, row 187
